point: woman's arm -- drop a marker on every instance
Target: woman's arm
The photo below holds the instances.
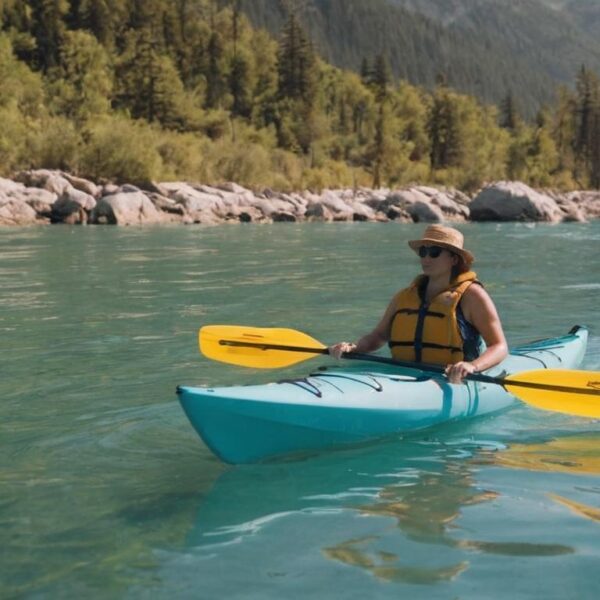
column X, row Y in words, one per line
column 371, row 341
column 480, row 311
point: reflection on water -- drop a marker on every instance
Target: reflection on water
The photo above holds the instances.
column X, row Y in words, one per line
column 578, row 508
column 575, row 454
column 410, row 496
column 571, row 454
column 384, row 565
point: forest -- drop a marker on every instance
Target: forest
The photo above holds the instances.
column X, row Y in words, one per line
column 147, row 90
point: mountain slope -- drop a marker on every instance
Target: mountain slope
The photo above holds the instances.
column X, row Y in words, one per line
column 523, row 46
column 553, row 36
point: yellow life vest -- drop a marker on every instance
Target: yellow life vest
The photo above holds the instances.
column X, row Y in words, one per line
column 429, row 332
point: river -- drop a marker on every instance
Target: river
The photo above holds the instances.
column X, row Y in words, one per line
column 106, row 491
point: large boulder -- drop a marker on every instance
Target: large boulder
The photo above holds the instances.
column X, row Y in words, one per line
column 316, row 211
column 72, row 207
column 125, row 209
column 425, row 212
column 16, row 212
column 411, row 202
column 337, row 207
column 588, row 202
column 53, row 181
column 571, row 211
column 202, row 207
column 41, row 201
column 8, row 187
column 83, row 185
column 274, row 206
column 452, row 203
column 513, row 201
column 424, row 204
column 17, row 193
column 362, row 211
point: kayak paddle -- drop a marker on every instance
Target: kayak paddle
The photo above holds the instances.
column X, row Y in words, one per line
column 567, row 391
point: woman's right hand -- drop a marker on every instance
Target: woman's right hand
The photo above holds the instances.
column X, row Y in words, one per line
column 338, row 349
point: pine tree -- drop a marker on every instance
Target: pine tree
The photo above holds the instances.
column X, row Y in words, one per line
column 296, row 64
column 101, row 18
column 595, row 150
column 238, row 71
column 48, row 28
column 379, row 146
column 148, row 84
column 365, row 71
column 239, row 86
column 381, row 77
column 586, row 108
column 444, row 131
column 509, row 116
column 297, row 88
column 215, row 86
column 83, row 86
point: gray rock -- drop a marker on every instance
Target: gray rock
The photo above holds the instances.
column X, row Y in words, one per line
column 108, row 189
column 132, row 208
column 53, row 181
column 11, row 188
column 395, row 213
column 249, row 214
column 40, row 197
column 82, row 185
column 198, row 204
column 513, row 201
column 315, row 211
column 339, row 208
column 16, row 212
column 167, row 205
column 229, row 186
column 425, row 212
column 588, row 202
column 283, row 217
column 362, row 212
column 273, row 205
column 128, row 188
column 72, row 207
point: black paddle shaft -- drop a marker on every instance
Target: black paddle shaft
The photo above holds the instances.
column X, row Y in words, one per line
column 413, row 365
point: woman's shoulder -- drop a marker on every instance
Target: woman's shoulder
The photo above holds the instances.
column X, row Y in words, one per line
column 476, row 299
column 475, row 292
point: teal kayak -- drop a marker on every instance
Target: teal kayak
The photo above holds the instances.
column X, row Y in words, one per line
column 342, row 405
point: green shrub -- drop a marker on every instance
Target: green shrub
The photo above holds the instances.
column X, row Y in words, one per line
column 55, row 144
column 122, row 150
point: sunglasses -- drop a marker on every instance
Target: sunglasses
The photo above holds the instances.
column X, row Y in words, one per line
column 433, row 251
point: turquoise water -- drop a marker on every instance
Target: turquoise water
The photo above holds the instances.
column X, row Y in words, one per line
column 106, row 491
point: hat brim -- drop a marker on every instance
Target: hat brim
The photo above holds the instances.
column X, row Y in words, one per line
column 465, row 254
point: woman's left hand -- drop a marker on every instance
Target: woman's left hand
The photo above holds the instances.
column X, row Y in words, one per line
column 458, row 371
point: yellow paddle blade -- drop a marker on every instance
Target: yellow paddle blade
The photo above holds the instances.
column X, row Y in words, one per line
column 258, row 347
column 571, row 392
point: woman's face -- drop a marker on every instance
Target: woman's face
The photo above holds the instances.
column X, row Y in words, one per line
column 436, row 261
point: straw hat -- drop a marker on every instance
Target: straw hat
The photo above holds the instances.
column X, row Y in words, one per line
column 446, row 237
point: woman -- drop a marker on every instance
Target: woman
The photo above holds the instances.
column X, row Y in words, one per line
column 442, row 316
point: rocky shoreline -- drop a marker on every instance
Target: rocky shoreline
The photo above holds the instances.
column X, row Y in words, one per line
column 45, row 196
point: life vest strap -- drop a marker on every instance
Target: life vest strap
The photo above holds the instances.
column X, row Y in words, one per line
column 416, row 311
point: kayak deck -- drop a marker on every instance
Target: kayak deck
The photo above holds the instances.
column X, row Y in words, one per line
column 356, row 402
